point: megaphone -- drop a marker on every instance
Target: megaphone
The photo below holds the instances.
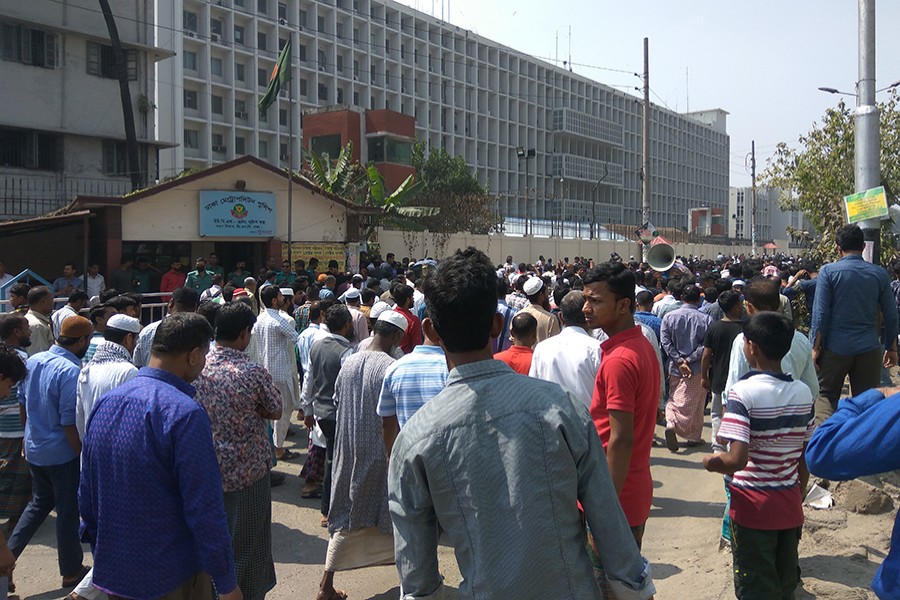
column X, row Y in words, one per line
column 661, row 256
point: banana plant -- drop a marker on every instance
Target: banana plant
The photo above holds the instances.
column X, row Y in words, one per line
column 340, row 177
column 395, row 211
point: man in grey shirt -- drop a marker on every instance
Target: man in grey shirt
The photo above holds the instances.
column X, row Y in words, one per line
column 499, row 462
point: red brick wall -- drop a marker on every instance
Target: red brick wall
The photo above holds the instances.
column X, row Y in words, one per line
column 344, row 122
column 389, row 121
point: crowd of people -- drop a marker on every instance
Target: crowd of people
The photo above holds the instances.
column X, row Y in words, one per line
column 506, row 410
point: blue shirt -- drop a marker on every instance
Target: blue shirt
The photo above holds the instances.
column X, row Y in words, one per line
column 62, row 283
column 48, row 394
column 849, row 293
column 151, row 491
column 503, row 342
column 411, row 382
column 862, row 438
column 650, row 320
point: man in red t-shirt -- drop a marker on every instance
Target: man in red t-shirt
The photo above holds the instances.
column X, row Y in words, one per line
column 172, row 279
column 523, row 328
column 403, row 297
column 626, row 390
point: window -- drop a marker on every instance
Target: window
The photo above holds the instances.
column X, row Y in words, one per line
column 356, row 34
column 282, row 117
column 238, row 2
column 114, row 158
column 301, row 51
column 215, row 28
column 339, row 31
column 191, row 138
column 320, row 24
column 302, row 18
column 240, row 109
column 101, row 61
column 387, row 46
column 282, row 10
column 303, row 87
column 240, row 146
column 30, row 149
column 215, row 66
column 262, row 78
column 262, row 7
column 190, row 99
column 326, row 144
column 264, row 116
column 261, row 40
column 189, row 21
column 340, row 95
column 239, row 70
column 190, row 60
column 323, row 92
column 356, row 69
column 218, row 142
column 356, row 98
column 217, row 104
column 238, row 34
column 282, row 42
column 263, row 149
column 340, row 63
column 323, row 61
column 27, row 46
column 283, row 151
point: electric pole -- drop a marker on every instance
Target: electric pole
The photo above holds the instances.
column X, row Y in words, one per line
column 753, row 200
column 866, row 135
column 645, row 170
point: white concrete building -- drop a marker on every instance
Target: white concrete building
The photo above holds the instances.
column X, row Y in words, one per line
column 468, row 94
column 61, row 125
column 772, row 223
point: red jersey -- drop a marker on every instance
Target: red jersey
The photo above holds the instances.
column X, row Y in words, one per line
column 628, row 381
column 517, row 357
column 413, row 335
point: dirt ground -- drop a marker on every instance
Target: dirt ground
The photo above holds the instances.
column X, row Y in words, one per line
column 839, row 552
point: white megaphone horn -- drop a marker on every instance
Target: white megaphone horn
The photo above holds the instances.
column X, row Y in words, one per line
column 661, row 256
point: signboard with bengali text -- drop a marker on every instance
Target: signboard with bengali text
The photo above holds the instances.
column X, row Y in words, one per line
column 870, row 204
column 324, row 251
column 237, row 214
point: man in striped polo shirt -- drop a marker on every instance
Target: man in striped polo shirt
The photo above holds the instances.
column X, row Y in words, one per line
column 767, row 423
column 15, row 478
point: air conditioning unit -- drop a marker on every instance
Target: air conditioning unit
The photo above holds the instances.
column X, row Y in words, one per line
column 189, row 33
column 285, row 157
column 218, row 148
column 240, row 115
column 214, row 37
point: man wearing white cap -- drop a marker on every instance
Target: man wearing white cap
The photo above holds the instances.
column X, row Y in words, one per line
column 360, row 323
column 537, row 294
column 109, row 367
column 374, row 314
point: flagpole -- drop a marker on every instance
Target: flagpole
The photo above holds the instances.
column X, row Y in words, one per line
column 290, row 252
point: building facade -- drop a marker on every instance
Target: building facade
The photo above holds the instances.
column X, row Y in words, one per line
column 580, row 140
column 61, row 125
column 772, row 223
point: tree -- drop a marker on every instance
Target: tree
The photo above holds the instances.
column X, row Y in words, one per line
column 341, row 177
column 820, row 172
column 132, row 159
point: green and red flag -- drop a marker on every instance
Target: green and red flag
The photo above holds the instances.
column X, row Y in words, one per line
column 281, row 75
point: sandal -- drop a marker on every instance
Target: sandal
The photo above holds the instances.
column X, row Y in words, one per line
column 288, row 455
column 68, row 582
column 313, row 493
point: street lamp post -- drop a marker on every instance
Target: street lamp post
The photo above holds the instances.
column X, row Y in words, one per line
column 528, row 154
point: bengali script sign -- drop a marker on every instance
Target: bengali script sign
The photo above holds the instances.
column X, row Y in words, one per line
column 324, row 251
column 870, row 204
column 237, row 214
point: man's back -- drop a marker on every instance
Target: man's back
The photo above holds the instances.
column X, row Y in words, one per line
column 411, row 382
column 48, row 393
column 498, row 459
column 276, row 340
column 570, row 359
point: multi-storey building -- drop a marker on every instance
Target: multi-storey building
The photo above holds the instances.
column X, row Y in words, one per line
column 772, row 222
column 579, row 140
column 61, row 126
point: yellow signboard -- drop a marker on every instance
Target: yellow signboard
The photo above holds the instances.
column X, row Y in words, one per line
column 324, row 251
column 870, row 204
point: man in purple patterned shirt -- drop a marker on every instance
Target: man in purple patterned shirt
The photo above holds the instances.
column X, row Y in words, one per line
column 239, row 396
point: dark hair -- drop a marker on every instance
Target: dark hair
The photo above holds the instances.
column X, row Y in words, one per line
column 675, row 287
column 268, row 295
column 367, row 294
column 728, row 300
column 315, row 311
column 117, row 336
column 461, row 297
column 570, row 308
column 69, row 264
column 644, row 298
column 327, row 303
column 231, row 320
column 11, row 364
column 560, row 292
column 65, row 341
column 218, row 278
column 617, row 276
column 208, row 310
column 336, row 317
column 762, row 293
column 20, row 289
column 385, row 329
column 332, row 263
column 185, row 299
column 38, row 293
column 9, row 323
column 502, row 287
column 850, row 238
column 107, row 295
column 97, row 313
column 639, row 276
column 691, row 294
column 228, row 293
column 77, row 296
column 401, row 292
column 711, row 294
column 523, row 324
column 772, row 332
column 120, row 303
column 312, row 292
column 722, row 285
column 180, row 333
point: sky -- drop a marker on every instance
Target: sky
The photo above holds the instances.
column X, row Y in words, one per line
column 761, row 61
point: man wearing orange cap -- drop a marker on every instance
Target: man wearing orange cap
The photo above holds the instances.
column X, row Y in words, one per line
column 52, row 446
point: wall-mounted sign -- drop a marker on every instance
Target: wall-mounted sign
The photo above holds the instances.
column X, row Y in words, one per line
column 324, row 251
column 870, row 204
column 237, row 214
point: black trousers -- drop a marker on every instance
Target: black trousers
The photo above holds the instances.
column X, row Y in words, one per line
column 328, row 429
column 765, row 562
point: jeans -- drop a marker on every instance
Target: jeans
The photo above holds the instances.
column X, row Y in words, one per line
column 53, row 487
column 864, row 371
column 328, row 427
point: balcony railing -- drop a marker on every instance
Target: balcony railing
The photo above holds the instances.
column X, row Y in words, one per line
column 30, row 195
column 572, row 166
column 571, row 122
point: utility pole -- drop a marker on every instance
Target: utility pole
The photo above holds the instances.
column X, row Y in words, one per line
column 867, row 143
column 645, row 170
column 753, row 200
